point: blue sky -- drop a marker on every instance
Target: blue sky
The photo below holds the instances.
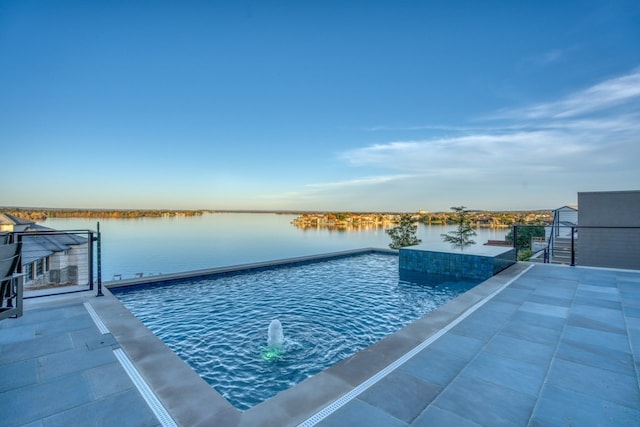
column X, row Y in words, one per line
column 348, row 106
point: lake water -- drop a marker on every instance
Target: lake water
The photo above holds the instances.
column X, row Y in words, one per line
column 174, row 244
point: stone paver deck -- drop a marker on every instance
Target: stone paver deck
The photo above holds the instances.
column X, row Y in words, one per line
column 538, row 345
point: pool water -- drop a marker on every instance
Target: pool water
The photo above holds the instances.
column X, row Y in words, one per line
column 329, row 310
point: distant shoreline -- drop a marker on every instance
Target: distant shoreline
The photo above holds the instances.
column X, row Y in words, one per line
column 305, row 219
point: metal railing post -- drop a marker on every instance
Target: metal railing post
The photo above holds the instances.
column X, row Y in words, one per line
column 99, row 263
column 573, row 248
column 90, row 259
column 515, row 239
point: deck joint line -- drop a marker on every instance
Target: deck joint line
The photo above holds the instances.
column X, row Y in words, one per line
column 148, row 395
column 346, row 398
column 96, row 319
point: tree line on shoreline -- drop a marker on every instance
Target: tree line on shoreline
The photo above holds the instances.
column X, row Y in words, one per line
column 43, row 214
column 479, row 219
column 495, row 219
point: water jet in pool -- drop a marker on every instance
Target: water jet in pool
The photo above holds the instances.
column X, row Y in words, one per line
column 275, row 339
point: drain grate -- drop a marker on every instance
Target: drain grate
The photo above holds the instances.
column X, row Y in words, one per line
column 151, row 399
column 154, row 404
column 96, row 319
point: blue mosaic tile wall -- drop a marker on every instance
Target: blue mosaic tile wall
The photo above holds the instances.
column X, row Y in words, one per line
column 455, row 264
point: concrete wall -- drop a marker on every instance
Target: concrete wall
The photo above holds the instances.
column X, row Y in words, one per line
column 609, row 247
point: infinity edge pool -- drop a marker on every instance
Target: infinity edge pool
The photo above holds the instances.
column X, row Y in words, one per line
column 192, row 401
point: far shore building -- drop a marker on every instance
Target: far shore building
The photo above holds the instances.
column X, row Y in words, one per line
column 48, row 258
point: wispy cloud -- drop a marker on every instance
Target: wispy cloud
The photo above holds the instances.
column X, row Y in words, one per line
column 587, row 140
column 418, row 127
column 349, row 184
column 565, row 133
column 359, row 182
column 606, row 95
column 473, row 153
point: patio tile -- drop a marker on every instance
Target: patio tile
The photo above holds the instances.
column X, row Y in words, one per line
column 461, row 346
column 513, row 295
column 475, row 328
column 603, row 319
column 123, row 409
column 553, row 272
column 17, row 334
column 103, row 340
column 502, row 307
column 524, row 350
column 598, row 383
column 632, row 312
column 526, row 283
column 34, row 347
column 58, row 364
column 555, row 301
column 434, row 416
column 41, row 400
column 520, row 376
column 524, row 318
column 602, row 291
column 435, row 366
column 613, row 341
column 402, row 395
column 486, row 403
column 50, row 314
column 634, row 341
column 630, row 301
column 556, row 289
column 491, row 313
column 81, row 336
column 64, row 324
column 562, row 407
column 596, row 356
column 602, row 278
column 18, row 374
column 545, row 309
column 633, row 323
column 532, row 332
column 629, row 288
column 359, row 413
column 597, row 302
column 594, row 294
column 107, row 379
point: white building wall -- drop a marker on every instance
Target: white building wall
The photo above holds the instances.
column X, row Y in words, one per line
column 78, row 257
column 567, row 214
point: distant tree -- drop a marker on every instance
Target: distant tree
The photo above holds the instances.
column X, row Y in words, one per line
column 403, row 234
column 461, row 236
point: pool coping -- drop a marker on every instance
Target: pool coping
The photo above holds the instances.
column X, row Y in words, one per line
column 191, row 401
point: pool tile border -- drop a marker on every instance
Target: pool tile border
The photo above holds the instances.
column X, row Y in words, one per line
column 191, row 401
